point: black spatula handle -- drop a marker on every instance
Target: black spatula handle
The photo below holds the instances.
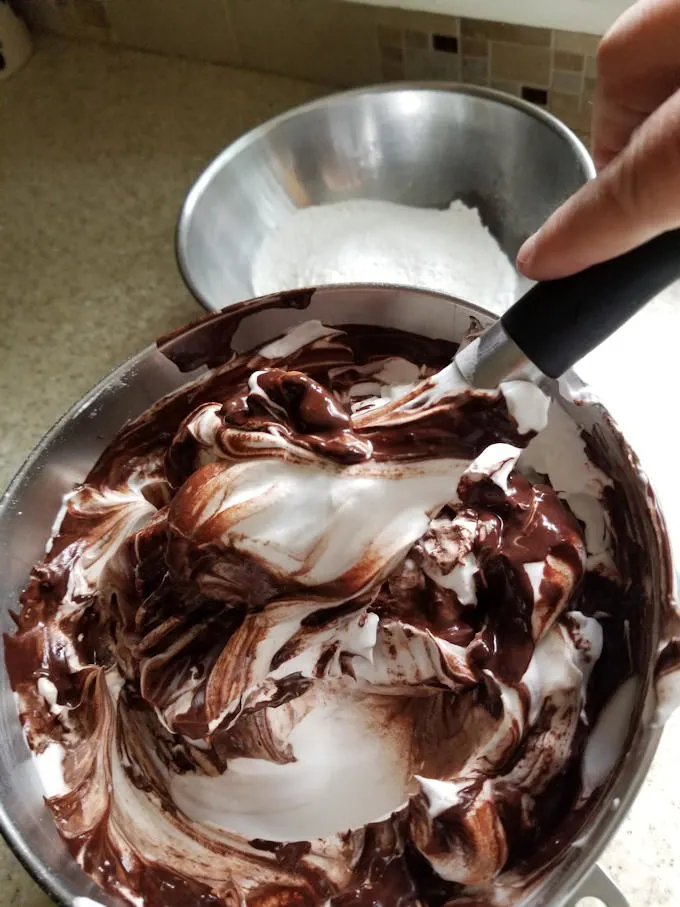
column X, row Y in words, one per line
column 558, row 321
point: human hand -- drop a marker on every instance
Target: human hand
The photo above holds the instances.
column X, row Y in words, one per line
column 636, row 147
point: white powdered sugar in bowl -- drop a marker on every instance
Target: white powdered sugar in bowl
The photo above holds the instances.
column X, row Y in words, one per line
column 372, row 241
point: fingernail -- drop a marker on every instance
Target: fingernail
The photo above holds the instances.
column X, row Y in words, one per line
column 526, row 253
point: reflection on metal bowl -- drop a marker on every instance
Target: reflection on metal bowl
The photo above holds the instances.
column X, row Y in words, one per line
column 416, row 145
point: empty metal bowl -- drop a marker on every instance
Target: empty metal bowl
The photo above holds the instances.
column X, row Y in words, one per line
column 416, row 145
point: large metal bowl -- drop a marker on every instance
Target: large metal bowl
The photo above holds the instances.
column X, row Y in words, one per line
column 417, row 145
column 69, row 450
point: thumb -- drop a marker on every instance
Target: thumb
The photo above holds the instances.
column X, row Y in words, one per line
column 632, row 200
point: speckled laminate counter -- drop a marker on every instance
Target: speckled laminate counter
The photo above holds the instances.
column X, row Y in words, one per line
column 97, row 149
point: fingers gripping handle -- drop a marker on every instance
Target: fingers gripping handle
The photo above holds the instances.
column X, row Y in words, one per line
column 559, row 321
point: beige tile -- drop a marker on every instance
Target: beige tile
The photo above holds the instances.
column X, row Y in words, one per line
column 503, row 31
column 589, row 87
column 567, row 103
column 591, row 67
column 513, row 88
column 416, row 20
column 391, row 54
column 392, row 72
column 199, row 29
column 416, row 39
column 418, row 64
column 475, row 71
column 389, row 36
column 578, row 120
column 567, row 82
column 452, row 67
column 475, row 47
column 562, row 59
column 517, row 63
column 426, row 64
column 325, row 41
column 576, row 42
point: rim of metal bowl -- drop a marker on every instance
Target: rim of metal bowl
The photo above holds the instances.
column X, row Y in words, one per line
column 261, row 131
column 42, row 873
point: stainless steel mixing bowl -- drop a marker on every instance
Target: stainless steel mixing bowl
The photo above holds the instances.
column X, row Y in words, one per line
column 69, row 450
column 417, row 145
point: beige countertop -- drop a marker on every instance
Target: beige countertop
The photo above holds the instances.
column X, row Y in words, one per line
column 98, row 147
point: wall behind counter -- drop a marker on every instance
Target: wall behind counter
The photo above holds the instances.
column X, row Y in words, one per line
column 592, row 16
column 345, row 44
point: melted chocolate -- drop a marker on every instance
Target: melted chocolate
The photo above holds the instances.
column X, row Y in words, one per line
column 190, row 349
column 305, row 407
column 177, row 617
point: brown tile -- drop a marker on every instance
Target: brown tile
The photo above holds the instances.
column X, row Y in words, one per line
column 576, row 42
column 562, row 59
column 503, row 31
column 447, row 44
column 475, row 71
column 391, row 54
column 567, row 82
column 566, row 103
column 534, row 95
column 389, row 37
column 591, row 67
column 475, row 47
column 513, row 88
column 332, row 42
column 392, row 72
column 578, row 120
column 417, row 39
column 426, row 64
column 517, row 63
column 200, row 29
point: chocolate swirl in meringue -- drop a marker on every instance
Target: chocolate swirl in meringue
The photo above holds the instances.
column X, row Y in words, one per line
column 324, row 628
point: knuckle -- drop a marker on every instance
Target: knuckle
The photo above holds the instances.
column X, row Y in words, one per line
column 607, row 54
column 613, row 53
column 632, row 191
column 672, row 137
column 645, row 182
column 627, row 189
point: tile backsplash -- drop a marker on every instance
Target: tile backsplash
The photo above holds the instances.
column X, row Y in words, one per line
column 345, row 44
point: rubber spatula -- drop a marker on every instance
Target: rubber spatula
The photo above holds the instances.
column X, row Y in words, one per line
column 557, row 322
